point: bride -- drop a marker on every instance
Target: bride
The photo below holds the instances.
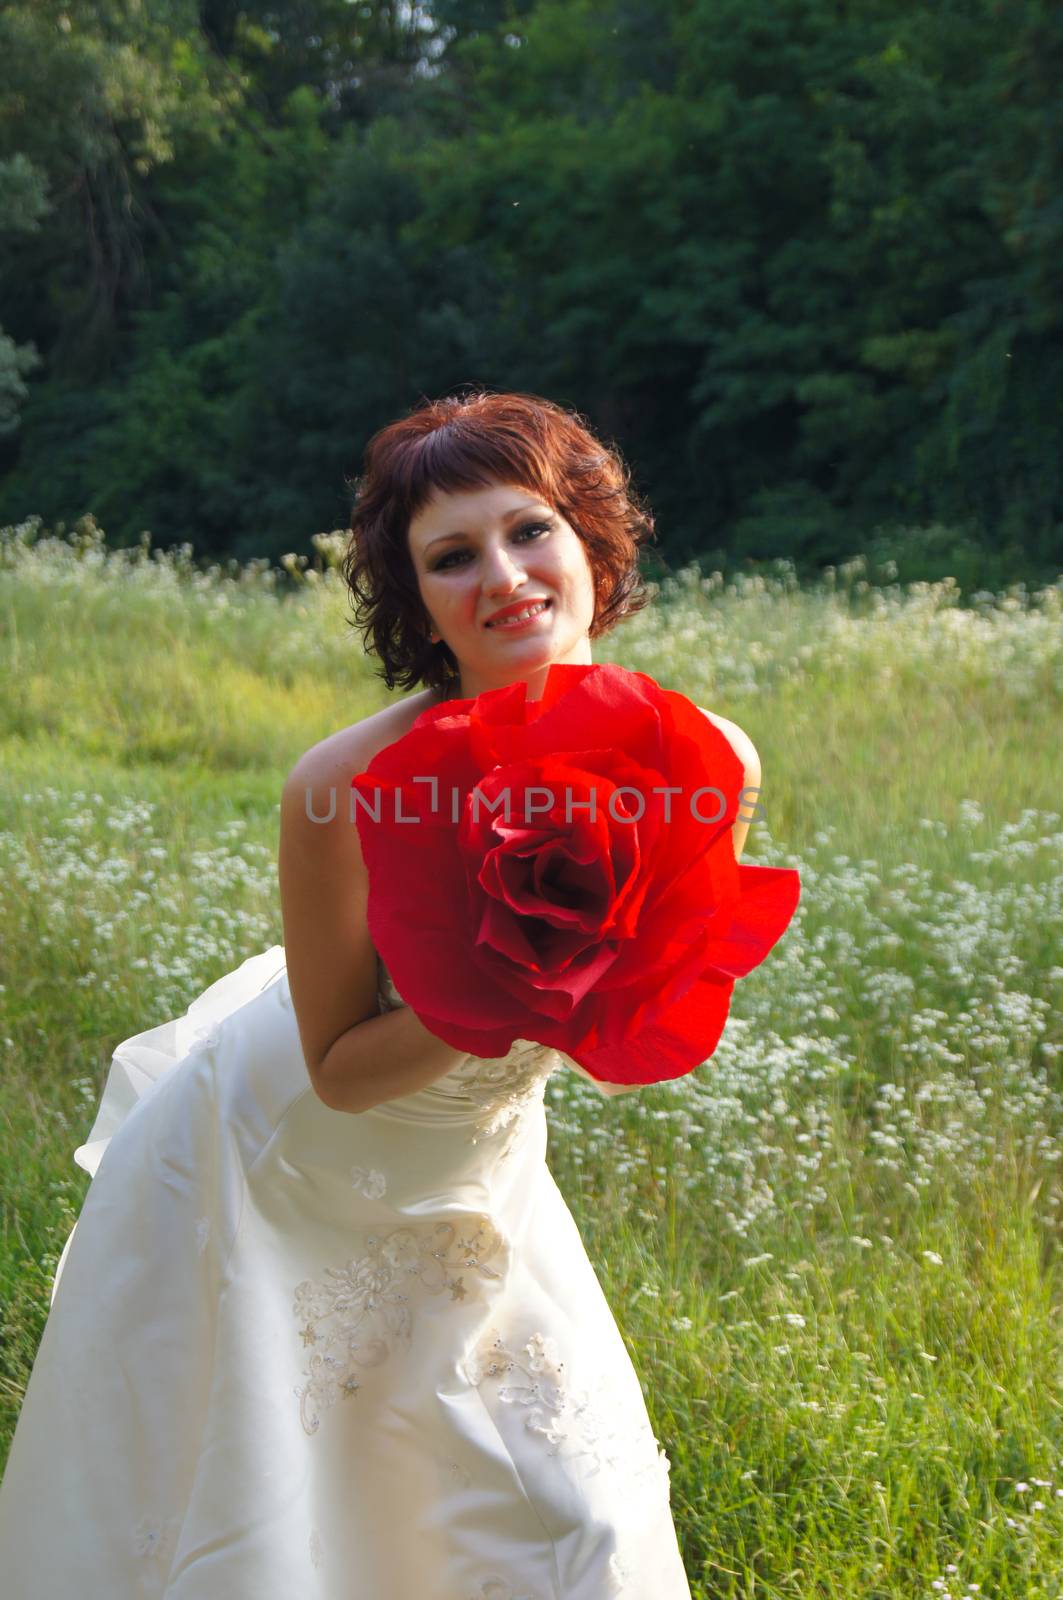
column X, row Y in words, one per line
column 325, row 1327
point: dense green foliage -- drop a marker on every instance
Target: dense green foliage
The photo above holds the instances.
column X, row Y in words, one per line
column 799, row 258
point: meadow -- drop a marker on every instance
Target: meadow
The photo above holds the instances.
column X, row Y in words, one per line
column 833, row 1249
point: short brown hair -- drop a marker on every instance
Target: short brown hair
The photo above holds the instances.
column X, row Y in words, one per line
column 473, row 441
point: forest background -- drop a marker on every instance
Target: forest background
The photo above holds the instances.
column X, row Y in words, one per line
column 798, row 258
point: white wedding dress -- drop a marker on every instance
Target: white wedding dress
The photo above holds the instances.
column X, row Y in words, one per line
column 299, row 1354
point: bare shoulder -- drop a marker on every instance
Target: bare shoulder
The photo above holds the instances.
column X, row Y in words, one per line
column 343, row 754
column 746, row 751
column 740, row 742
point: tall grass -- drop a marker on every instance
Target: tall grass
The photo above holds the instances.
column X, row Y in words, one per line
column 833, row 1249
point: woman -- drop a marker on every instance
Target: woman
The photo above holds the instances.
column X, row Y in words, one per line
column 325, row 1327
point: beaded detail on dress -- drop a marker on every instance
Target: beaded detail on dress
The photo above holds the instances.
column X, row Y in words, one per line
column 353, row 1315
column 596, row 1423
column 502, row 1086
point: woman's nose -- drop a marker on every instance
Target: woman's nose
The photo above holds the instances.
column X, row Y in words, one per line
column 501, row 573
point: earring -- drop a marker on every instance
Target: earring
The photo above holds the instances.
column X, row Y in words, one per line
column 433, row 637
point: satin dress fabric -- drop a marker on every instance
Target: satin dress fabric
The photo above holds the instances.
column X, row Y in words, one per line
column 301, row 1354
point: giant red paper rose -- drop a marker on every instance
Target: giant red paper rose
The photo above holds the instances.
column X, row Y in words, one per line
column 562, row 870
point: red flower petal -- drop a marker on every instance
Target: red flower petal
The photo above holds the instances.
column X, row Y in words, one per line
column 615, row 937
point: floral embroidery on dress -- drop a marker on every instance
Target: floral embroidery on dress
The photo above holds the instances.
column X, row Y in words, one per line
column 495, row 1588
column 599, row 1425
column 460, row 1473
column 618, row 1574
column 369, row 1182
column 205, row 1036
column 507, row 1086
column 316, row 1549
column 503, row 1086
column 153, row 1539
column 352, row 1316
column 202, row 1233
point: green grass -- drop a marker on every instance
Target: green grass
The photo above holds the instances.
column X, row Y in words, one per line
column 834, row 1249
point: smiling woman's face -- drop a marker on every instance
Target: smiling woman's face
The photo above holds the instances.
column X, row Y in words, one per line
column 480, row 551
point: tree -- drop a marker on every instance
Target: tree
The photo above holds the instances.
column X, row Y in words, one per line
column 23, row 202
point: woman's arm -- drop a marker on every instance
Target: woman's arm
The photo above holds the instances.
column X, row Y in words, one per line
column 380, row 1059
column 356, row 1057
column 745, row 750
column 602, row 1088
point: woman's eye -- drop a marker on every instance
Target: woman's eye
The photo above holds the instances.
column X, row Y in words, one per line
column 529, row 527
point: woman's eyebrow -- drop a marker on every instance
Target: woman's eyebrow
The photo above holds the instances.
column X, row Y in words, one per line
column 459, row 534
